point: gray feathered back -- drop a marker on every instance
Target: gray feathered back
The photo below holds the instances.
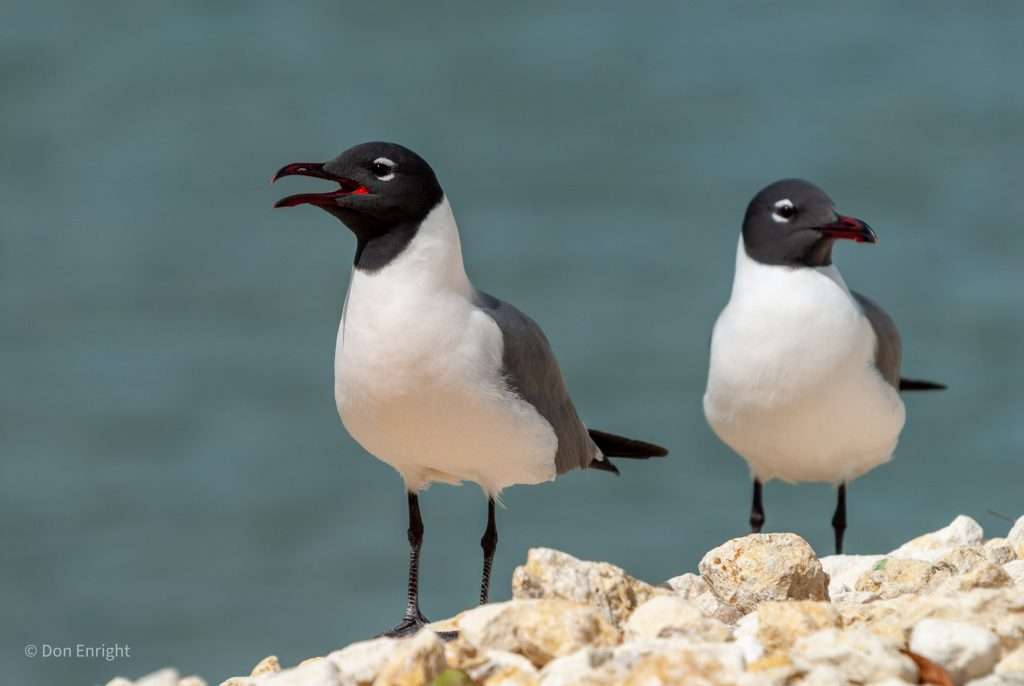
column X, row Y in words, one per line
column 888, row 349
column 532, row 372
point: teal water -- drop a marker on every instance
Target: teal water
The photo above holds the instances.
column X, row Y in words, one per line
column 173, row 474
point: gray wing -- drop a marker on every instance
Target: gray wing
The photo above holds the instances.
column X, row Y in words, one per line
column 532, row 372
column 888, row 348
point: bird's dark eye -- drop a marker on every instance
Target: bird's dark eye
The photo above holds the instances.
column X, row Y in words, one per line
column 383, row 168
column 783, row 210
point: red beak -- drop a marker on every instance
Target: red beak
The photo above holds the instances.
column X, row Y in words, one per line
column 850, row 229
column 346, row 186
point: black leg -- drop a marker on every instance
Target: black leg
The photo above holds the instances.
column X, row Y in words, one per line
column 839, row 518
column 756, row 509
column 413, row 618
column 489, row 543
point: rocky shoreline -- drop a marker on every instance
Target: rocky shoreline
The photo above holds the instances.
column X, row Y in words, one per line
column 944, row 608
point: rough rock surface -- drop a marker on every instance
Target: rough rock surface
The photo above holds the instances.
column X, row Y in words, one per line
column 539, row 629
column 554, row 574
column 745, row 572
column 965, row 651
column 763, row 611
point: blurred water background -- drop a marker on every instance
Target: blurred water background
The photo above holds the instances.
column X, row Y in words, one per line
column 174, row 476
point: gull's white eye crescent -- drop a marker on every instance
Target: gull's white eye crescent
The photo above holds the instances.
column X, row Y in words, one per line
column 783, row 210
column 383, row 168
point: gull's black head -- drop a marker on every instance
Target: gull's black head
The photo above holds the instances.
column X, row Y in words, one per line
column 384, row 192
column 794, row 223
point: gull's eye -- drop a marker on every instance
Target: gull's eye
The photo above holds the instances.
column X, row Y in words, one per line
column 383, row 168
column 783, row 210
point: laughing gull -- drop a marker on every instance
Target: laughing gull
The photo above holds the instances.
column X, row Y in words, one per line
column 804, row 377
column 437, row 379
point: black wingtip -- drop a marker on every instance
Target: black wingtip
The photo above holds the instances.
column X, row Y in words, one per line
column 612, row 445
column 920, row 385
column 604, row 465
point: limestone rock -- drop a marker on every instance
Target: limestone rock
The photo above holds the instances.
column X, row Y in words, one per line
column 892, row 576
column 693, row 587
column 747, row 571
column 320, row 673
column 414, row 662
column 821, row 675
column 647, row 663
column 858, row 654
column 554, row 574
column 1015, row 570
column 688, row 585
column 780, row 624
column 985, row 575
column 844, row 571
column 962, row 531
column 998, row 680
column 999, row 610
column 267, row 665
column 539, row 630
column 1012, row 662
column 673, row 616
column 964, row 650
column 963, row 559
column 490, row 667
column 360, row 663
column 1016, row 537
column 999, row 550
column 192, row 681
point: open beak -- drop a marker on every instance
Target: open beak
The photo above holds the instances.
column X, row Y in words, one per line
column 346, row 186
column 850, row 229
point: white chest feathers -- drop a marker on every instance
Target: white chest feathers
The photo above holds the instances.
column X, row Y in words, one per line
column 792, row 385
column 418, row 373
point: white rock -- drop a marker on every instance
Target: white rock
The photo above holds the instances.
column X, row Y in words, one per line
column 1012, row 662
column 821, row 675
column 693, row 587
column 360, row 663
column 192, row 681
column 647, row 662
column 670, row 616
column 267, row 665
column 310, row 673
column 746, row 638
column 962, row 531
column 964, row 650
column 747, row 571
column 688, row 585
column 418, row 660
column 999, row 551
column 1016, row 571
column 998, row 680
column 553, row 574
column 860, row 655
column 843, row 572
column 495, row 661
column 540, row 630
column 895, row 576
column 1016, row 537
column 714, row 608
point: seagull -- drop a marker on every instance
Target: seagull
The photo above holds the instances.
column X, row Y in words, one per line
column 441, row 381
column 804, row 375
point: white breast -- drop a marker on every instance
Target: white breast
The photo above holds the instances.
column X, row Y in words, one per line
column 792, row 385
column 418, row 373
